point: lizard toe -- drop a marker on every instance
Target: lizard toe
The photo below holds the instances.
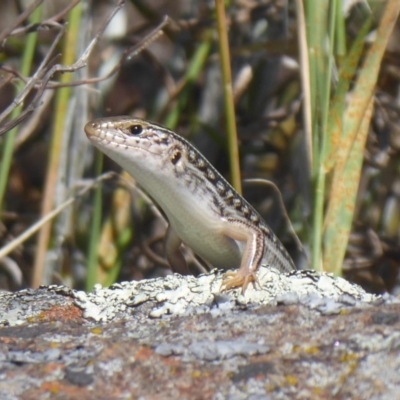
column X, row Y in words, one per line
column 232, row 280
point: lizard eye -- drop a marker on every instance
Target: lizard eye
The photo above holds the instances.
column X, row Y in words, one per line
column 136, row 129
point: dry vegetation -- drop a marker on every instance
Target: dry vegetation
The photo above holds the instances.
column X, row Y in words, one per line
column 64, row 63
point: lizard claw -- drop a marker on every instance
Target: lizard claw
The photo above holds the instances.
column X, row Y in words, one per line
column 232, row 280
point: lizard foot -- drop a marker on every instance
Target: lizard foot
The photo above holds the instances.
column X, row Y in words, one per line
column 232, row 280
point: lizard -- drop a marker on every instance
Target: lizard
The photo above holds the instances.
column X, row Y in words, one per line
column 203, row 210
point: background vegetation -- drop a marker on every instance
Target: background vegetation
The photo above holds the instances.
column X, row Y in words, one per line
column 316, row 99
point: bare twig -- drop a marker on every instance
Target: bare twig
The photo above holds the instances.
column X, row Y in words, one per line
column 282, row 207
column 22, row 17
column 24, row 93
column 42, row 77
column 12, row 269
column 4, row 81
column 48, row 23
column 7, row 249
column 34, row 120
column 127, row 55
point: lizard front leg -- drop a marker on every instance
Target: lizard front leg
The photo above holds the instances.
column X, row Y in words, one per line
column 253, row 239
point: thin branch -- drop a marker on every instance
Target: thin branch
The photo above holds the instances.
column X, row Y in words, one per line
column 282, row 207
column 127, row 55
column 29, row 86
column 43, row 83
column 22, row 17
column 7, row 249
column 48, row 23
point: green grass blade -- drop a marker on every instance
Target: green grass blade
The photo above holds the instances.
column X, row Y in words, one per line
column 94, row 234
column 26, row 66
column 325, row 32
column 335, row 122
column 350, row 151
column 60, row 115
column 228, row 96
column 195, row 67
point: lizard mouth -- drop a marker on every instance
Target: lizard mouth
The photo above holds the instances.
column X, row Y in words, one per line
column 105, row 140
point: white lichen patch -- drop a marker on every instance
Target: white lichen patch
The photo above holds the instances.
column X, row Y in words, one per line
column 177, row 295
